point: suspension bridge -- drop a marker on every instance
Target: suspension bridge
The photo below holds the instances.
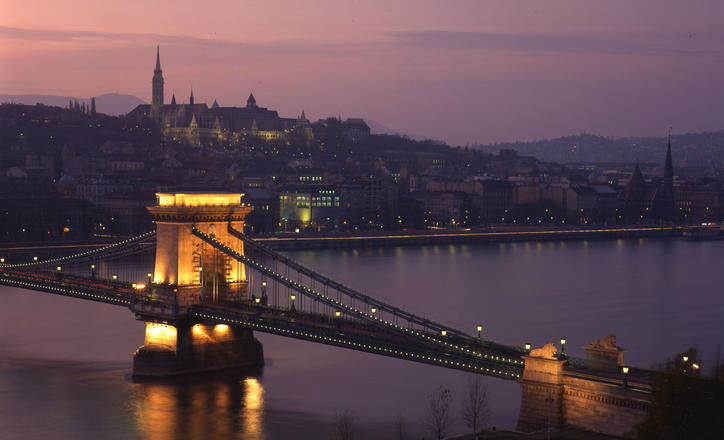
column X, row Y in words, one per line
column 211, row 287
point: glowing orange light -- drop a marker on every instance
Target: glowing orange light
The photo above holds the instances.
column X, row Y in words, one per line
column 160, row 334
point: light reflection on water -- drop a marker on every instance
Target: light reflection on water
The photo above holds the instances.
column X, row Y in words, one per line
column 658, row 296
column 201, row 407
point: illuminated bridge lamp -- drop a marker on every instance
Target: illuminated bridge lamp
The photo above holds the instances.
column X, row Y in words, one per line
column 373, row 310
column 624, row 370
column 444, row 332
column 263, row 284
column 695, row 366
column 58, row 268
column 563, row 346
column 480, row 331
column 35, row 258
column 527, row 347
column 257, row 300
column 685, row 358
column 337, row 313
column 115, row 277
column 2, row 260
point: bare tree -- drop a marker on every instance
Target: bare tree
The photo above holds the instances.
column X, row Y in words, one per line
column 475, row 407
column 440, row 417
column 401, row 428
column 344, row 425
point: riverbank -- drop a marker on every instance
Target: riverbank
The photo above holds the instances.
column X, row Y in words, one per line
column 459, row 236
column 292, row 241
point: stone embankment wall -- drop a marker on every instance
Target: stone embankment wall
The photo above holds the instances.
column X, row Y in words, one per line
column 596, row 397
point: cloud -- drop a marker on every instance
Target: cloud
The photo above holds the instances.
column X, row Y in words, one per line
column 649, row 44
column 129, row 38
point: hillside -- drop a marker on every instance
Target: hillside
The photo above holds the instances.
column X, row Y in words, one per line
column 109, row 103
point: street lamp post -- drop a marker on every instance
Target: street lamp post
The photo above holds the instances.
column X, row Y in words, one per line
column 563, row 348
column 480, row 331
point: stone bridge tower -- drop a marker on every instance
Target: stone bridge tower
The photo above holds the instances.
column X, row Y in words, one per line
column 189, row 272
column 199, row 271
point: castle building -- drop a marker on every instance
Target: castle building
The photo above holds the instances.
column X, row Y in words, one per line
column 201, row 125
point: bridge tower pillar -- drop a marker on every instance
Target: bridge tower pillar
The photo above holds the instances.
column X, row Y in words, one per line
column 189, row 272
column 541, row 403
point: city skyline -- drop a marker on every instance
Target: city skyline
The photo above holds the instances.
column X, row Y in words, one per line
column 470, row 72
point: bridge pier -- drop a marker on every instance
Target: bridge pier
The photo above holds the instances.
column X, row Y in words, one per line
column 594, row 396
column 541, row 401
column 184, row 348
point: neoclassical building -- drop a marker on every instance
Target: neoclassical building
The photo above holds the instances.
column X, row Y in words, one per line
column 199, row 124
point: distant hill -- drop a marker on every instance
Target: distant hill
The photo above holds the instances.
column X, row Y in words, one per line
column 695, row 150
column 377, row 128
column 109, row 103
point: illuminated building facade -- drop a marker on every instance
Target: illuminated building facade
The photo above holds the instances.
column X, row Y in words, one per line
column 303, row 206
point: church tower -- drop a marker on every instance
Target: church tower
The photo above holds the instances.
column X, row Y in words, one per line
column 157, row 88
column 668, row 190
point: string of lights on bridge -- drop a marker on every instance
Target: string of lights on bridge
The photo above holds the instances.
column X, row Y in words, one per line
column 266, row 328
column 351, row 293
column 69, row 258
column 67, row 292
column 340, row 305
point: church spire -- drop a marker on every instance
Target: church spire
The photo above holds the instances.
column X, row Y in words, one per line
column 191, row 99
column 158, row 60
column 157, row 88
column 668, row 165
column 668, row 190
column 173, row 99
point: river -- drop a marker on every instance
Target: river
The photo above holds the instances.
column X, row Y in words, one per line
column 65, row 363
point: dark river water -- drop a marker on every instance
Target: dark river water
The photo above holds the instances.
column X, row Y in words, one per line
column 65, row 363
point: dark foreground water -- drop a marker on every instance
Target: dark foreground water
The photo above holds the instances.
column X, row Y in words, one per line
column 65, row 363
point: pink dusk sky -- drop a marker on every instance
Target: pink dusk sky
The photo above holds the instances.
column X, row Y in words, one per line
column 456, row 70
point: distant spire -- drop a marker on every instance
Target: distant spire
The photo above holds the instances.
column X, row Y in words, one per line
column 668, row 166
column 303, row 116
column 637, row 178
column 173, row 99
column 215, row 104
column 158, row 60
column 191, row 99
column 668, row 199
column 157, row 88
